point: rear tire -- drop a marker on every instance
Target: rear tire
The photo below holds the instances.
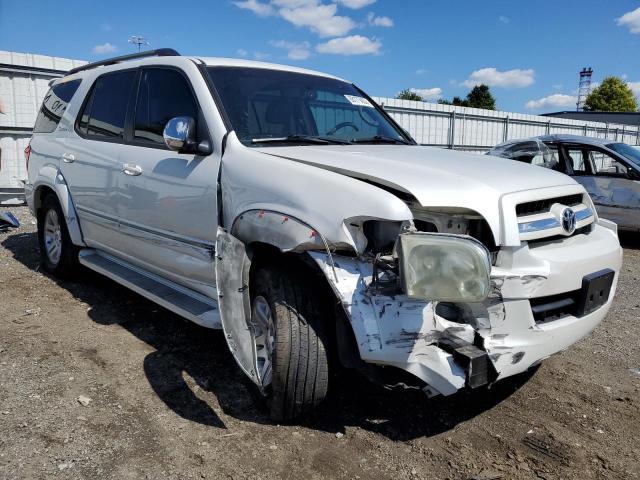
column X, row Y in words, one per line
column 300, row 364
column 58, row 255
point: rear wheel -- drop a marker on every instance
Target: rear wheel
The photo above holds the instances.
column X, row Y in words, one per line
column 291, row 342
column 58, row 255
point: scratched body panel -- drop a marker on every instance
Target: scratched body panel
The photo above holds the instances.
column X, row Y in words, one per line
column 616, row 199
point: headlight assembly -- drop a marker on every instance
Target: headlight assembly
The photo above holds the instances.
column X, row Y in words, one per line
column 447, row 268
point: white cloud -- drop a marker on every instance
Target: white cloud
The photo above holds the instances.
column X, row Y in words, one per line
column 552, row 101
column 319, row 18
column 261, row 55
column 106, row 27
column 421, row 71
column 355, row 4
column 630, row 20
column 295, row 50
column 259, row 8
column 558, row 86
column 352, row 45
column 504, row 19
column 379, row 21
column 242, row 52
column 494, row 78
column 428, row 93
column 104, row 48
column 635, row 88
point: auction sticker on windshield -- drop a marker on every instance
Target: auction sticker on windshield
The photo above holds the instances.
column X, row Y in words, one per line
column 358, row 101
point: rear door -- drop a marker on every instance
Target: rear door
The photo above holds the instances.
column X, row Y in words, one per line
column 90, row 161
column 168, row 200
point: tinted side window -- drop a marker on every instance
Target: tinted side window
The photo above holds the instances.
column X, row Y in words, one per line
column 105, row 111
column 162, row 95
column 53, row 106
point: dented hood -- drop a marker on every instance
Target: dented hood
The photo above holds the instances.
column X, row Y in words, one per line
column 435, row 177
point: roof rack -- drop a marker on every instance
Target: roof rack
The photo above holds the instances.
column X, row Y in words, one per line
column 160, row 52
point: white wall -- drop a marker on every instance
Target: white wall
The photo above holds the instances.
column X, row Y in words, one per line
column 21, row 94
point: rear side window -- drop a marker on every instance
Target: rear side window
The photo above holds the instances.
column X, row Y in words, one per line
column 53, row 106
column 106, row 108
column 162, row 95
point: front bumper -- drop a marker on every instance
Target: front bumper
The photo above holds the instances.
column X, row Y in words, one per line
column 408, row 334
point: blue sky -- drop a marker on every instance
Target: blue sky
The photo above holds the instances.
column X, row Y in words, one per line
column 528, row 52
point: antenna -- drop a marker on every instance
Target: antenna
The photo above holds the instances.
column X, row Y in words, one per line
column 584, row 87
column 138, row 40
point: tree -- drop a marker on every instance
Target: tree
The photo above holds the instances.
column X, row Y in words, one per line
column 613, row 95
column 407, row 94
column 478, row 97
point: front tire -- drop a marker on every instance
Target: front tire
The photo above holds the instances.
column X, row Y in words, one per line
column 58, row 255
column 299, row 369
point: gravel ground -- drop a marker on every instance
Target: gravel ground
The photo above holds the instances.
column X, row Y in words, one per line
column 96, row 382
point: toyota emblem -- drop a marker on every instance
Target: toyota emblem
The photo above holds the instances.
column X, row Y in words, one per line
column 569, row 220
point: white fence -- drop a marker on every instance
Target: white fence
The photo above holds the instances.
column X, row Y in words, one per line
column 478, row 130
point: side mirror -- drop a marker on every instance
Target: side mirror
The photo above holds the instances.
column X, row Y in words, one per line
column 179, row 133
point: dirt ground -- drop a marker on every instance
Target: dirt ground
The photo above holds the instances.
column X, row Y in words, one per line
column 164, row 399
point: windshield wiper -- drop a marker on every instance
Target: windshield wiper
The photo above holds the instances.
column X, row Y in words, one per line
column 299, row 139
column 380, row 139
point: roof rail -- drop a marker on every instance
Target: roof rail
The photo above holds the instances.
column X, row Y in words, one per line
column 160, row 52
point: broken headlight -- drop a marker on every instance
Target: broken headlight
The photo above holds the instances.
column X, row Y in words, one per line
column 441, row 267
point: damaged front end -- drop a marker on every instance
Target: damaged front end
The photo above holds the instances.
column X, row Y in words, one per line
column 454, row 314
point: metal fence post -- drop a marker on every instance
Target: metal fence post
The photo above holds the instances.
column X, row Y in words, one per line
column 585, row 129
column 548, row 127
column 638, row 135
column 452, row 130
column 606, row 130
column 505, row 133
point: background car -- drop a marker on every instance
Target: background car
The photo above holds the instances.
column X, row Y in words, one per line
column 609, row 170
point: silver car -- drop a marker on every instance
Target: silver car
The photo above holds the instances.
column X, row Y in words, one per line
column 609, row 170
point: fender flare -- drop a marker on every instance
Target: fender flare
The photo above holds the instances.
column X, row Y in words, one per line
column 52, row 178
column 283, row 231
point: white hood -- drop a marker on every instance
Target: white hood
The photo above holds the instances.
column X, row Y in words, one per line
column 435, row 177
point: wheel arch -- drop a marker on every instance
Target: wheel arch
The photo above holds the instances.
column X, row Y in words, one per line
column 57, row 185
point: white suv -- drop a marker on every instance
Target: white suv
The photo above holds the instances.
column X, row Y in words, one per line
column 287, row 208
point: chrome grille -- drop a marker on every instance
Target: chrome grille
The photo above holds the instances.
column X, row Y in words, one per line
column 543, row 206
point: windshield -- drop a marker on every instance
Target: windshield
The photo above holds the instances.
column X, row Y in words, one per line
column 627, row 151
column 276, row 106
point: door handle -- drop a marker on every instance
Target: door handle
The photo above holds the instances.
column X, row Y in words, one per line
column 130, row 169
column 68, row 158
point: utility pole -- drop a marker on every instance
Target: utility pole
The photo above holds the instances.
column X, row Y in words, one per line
column 138, row 40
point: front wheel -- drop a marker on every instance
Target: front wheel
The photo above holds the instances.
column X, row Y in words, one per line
column 290, row 341
column 58, row 255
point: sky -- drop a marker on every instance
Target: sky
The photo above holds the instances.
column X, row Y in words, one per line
column 528, row 52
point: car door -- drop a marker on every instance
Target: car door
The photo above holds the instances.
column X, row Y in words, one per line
column 608, row 182
column 169, row 200
column 619, row 189
column 90, row 162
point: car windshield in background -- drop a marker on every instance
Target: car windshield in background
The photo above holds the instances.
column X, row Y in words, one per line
column 279, row 107
column 627, row 151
